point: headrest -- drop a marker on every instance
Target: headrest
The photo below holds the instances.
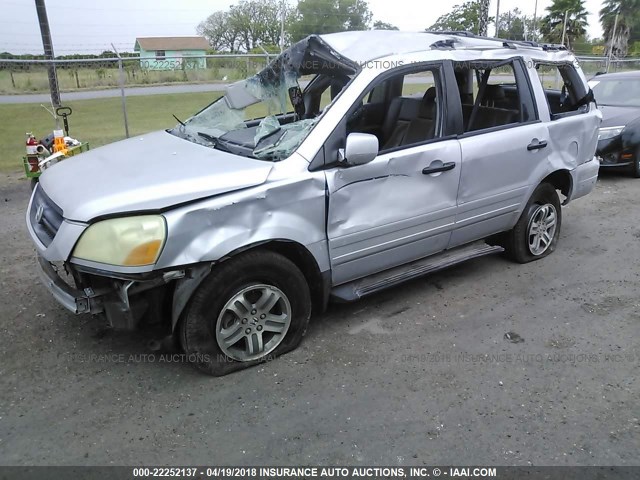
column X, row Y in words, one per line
column 495, row 92
column 430, row 94
column 428, row 104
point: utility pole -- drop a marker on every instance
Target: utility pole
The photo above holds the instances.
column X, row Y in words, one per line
column 282, row 14
column 484, row 17
column 535, row 20
column 122, row 94
column 564, row 27
column 613, row 37
column 47, row 44
column 498, row 19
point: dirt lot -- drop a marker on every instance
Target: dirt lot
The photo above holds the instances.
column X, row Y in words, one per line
column 421, row 374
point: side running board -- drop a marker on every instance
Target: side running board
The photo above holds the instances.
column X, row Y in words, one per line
column 349, row 292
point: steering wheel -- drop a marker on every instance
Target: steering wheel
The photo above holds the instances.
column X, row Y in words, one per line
column 297, row 100
column 356, row 116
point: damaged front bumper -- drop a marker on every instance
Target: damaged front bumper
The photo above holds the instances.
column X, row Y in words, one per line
column 74, row 300
column 122, row 300
column 616, row 153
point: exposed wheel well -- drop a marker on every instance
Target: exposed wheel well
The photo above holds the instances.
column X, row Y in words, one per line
column 319, row 284
column 303, row 259
column 561, row 180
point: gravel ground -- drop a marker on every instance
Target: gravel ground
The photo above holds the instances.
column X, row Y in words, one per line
column 488, row 362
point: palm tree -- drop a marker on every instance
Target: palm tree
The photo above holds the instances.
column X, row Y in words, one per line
column 484, row 16
column 628, row 20
column 552, row 24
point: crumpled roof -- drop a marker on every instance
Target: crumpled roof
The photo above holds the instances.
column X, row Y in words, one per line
column 363, row 46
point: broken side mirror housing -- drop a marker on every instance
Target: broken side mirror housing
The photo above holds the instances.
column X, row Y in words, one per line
column 360, row 148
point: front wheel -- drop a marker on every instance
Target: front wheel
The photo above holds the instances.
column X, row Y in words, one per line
column 536, row 234
column 251, row 308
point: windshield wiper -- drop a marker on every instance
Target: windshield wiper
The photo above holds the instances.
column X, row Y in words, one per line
column 179, row 121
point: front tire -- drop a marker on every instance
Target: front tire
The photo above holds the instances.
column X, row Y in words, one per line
column 536, row 234
column 250, row 309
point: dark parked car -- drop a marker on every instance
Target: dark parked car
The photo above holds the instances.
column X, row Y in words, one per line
column 618, row 97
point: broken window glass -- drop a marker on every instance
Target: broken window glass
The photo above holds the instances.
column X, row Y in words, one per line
column 273, row 95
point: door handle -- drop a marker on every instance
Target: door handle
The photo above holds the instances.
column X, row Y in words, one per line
column 440, row 168
column 536, row 144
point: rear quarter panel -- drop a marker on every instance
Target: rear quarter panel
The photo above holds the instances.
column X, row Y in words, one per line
column 572, row 139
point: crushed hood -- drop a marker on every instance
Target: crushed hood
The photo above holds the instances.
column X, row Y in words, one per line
column 146, row 173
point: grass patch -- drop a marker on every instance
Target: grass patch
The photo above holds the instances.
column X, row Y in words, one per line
column 98, row 121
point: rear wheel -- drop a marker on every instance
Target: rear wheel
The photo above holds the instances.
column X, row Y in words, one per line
column 635, row 168
column 251, row 308
column 536, row 234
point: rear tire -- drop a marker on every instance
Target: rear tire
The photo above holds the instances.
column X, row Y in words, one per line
column 251, row 308
column 536, row 234
column 635, row 168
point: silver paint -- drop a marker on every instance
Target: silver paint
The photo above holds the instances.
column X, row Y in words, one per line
column 353, row 220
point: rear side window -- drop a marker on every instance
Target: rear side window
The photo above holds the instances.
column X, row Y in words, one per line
column 416, row 84
column 563, row 89
column 493, row 94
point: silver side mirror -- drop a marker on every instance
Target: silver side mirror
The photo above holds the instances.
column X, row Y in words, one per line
column 361, row 148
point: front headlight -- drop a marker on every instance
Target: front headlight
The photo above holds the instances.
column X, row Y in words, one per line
column 127, row 242
column 609, row 132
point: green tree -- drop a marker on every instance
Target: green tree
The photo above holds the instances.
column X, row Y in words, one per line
column 514, row 25
column 217, row 30
column 245, row 25
column 378, row 25
column 464, row 17
column 328, row 16
column 628, row 24
column 552, row 25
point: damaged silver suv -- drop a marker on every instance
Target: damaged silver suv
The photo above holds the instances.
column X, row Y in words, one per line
column 354, row 162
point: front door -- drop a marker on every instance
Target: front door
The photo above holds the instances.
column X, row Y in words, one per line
column 388, row 212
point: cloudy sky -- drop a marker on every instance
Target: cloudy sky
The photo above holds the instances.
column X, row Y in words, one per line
column 81, row 26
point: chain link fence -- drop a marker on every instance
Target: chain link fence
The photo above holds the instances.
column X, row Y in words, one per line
column 112, row 98
column 18, row 76
column 594, row 65
column 21, row 76
column 134, row 95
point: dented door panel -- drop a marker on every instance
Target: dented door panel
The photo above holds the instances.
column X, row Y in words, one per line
column 388, row 212
column 574, row 138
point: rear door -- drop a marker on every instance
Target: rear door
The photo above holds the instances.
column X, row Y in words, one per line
column 503, row 147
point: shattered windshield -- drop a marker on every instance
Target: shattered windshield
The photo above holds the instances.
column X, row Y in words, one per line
column 268, row 115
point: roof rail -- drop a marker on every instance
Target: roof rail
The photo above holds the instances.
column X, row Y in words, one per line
column 459, row 33
column 553, row 47
column 447, row 44
column 505, row 42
